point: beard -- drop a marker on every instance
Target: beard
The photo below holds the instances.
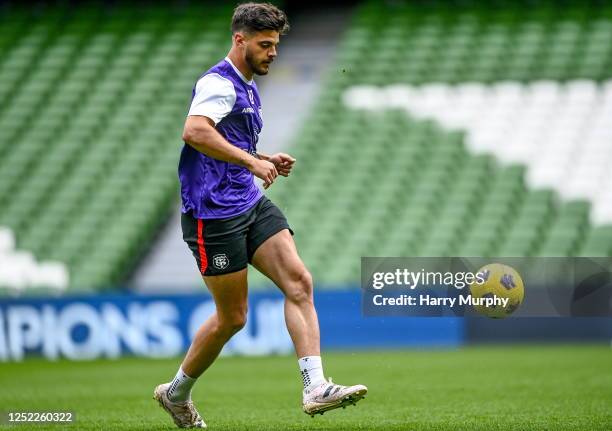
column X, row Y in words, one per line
column 258, row 67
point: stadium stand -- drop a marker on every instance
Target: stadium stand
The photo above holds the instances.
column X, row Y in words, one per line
column 92, row 102
column 435, row 137
column 19, row 270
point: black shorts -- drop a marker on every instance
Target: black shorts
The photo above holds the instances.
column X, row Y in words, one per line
column 221, row 246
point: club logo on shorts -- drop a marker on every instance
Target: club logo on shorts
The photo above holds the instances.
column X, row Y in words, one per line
column 220, row 261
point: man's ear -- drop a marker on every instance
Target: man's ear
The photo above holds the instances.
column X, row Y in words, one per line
column 239, row 39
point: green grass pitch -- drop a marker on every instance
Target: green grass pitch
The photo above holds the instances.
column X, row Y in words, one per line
column 476, row 388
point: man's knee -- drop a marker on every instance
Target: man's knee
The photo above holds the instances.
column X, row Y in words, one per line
column 300, row 286
column 230, row 323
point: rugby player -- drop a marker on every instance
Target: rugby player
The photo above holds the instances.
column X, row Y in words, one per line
column 228, row 223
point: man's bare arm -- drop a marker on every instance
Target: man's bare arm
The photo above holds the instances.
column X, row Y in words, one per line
column 200, row 133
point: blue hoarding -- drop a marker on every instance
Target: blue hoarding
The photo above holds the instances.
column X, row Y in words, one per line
column 116, row 324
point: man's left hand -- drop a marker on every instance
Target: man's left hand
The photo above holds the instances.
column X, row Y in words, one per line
column 283, row 162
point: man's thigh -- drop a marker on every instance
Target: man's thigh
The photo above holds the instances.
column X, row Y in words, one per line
column 229, row 291
column 277, row 258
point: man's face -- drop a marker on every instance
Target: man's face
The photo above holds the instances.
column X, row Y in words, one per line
column 260, row 50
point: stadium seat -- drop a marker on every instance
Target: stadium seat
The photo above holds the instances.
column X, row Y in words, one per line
column 485, row 130
column 441, row 129
column 91, row 106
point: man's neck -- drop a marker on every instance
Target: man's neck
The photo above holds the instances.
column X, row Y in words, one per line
column 240, row 64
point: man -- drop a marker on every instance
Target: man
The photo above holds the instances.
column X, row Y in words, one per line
column 227, row 221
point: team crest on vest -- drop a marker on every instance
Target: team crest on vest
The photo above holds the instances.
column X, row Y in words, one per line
column 220, row 261
column 251, row 97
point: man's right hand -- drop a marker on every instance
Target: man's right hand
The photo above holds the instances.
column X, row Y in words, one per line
column 264, row 170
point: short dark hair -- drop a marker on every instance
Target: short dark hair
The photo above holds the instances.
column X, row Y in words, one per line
column 254, row 17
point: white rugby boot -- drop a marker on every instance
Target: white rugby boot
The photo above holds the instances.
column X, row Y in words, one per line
column 329, row 396
column 183, row 414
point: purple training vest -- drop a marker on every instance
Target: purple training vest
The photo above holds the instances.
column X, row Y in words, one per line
column 213, row 189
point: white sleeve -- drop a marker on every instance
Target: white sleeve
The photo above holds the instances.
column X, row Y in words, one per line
column 214, row 97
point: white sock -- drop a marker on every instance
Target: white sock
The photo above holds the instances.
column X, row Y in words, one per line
column 180, row 388
column 312, row 371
